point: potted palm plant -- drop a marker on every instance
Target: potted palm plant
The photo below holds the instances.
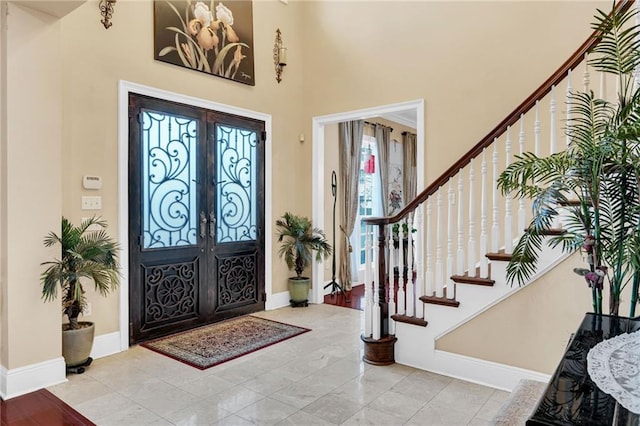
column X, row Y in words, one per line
column 594, row 183
column 298, row 240
column 88, row 255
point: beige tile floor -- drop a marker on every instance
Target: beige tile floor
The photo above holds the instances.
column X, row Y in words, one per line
column 317, row 378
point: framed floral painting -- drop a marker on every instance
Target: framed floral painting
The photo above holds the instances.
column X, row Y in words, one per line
column 213, row 37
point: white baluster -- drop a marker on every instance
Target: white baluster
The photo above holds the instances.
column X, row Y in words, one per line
column 568, row 102
column 419, row 253
column 429, row 287
column 552, row 122
column 508, row 219
column 401, row 294
column 377, row 314
column 409, row 282
column 450, row 284
column 439, row 263
column 392, row 283
column 368, row 296
column 521, row 208
column 460, row 256
column 484, row 261
column 495, row 226
column 536, row 131
column 585, row 75
column 471, row 249
column 603, row 85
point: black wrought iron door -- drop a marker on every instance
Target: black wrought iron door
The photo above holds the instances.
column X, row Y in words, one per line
column 196, row 197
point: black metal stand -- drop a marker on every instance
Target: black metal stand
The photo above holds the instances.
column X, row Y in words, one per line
column 79, row 369
column 333, row 284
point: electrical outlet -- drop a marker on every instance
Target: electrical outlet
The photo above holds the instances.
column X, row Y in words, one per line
column 87, row 309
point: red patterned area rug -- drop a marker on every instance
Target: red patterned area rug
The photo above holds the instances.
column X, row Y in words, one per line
column 214, row 344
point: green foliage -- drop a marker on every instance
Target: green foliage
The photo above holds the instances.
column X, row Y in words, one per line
column 85, row 255
column 298, row 240
column 599, row 169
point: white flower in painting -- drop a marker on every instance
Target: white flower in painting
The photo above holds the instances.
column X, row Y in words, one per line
column 224, row 14
column 202, row 13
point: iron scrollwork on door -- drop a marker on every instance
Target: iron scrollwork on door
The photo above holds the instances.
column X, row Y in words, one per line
column 234, row 275
column 169, row 217
column 170, row 292
column 236, row 184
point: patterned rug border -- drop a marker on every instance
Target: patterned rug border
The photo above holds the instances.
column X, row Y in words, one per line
column 302, row 330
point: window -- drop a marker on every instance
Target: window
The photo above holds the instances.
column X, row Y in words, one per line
column 369, row 203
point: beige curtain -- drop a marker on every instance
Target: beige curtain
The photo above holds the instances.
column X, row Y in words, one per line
column 350, row 141
column 383, row 141
column 409, row 173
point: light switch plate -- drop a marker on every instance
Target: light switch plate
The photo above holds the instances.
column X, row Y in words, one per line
column 92, row 203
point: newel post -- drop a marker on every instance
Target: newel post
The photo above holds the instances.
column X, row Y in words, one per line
column 381, row 351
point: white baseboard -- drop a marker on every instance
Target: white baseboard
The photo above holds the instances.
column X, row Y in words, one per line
column 105, row 345
column 487, row 373
column 277, row 300
column 30, row 378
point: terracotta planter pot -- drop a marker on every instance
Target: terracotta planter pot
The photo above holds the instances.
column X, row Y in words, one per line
column 76, row 344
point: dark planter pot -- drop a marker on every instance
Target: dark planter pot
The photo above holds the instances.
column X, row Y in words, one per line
column 77, row 344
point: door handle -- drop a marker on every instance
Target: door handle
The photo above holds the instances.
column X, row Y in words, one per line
column 212, row 225
column 203, row 225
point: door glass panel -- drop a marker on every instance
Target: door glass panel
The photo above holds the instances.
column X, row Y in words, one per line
column 236, row 184
column 169, row 209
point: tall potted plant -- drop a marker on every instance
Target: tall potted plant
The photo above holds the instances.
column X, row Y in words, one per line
column 298, row 240
column 594, row 183
column 85, row 254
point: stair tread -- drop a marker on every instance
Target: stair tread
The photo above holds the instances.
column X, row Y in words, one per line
column 572, row 203
column 409, row 320
column 552, row 231
column 435, row 300
column 465, row 279
column 475, row 279
column 500, row 255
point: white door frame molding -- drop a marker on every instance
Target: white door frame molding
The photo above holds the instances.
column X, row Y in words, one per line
column 318, row 164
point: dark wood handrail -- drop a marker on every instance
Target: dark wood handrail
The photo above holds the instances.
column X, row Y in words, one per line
column 560, row 74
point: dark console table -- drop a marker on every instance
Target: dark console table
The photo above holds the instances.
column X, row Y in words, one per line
column 571, row 398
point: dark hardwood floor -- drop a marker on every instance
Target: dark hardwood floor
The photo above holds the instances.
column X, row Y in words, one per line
column 354, row 299
column 40, row 408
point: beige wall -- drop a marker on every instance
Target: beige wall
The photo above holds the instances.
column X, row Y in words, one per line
column 31, row 185
column 472, row 62
column 536, row 321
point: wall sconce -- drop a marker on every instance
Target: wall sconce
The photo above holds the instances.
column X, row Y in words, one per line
column 279, row 55
column 106, row 10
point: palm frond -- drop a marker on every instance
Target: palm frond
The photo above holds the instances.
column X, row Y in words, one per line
column 618, row 46
column 85, row 254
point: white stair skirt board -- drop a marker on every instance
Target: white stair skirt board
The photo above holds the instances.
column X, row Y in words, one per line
column 30, row 378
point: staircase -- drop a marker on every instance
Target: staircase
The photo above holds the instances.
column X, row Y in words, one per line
column 454, row 263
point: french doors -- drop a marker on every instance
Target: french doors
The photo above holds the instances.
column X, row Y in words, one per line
column 196, row 216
